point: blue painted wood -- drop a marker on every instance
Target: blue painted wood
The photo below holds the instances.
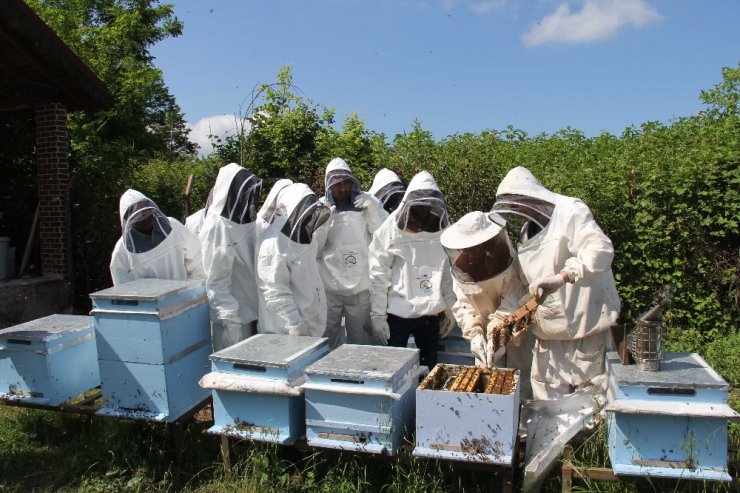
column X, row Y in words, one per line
column 154, row 392
column 169, row 317
column 49, row 360
column 467, row 426
column 361, row 398
column 266, row 367
column 154, row 340
column 668, row 423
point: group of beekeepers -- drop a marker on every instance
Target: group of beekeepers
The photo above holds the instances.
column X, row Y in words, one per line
column 376, row 267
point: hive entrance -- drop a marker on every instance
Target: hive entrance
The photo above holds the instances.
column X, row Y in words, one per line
column 457, row 378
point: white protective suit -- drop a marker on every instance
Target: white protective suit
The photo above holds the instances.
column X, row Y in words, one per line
column 263, row 221
column 228, row 241
column 489, row 285
column 409, row 272
column 176, row 254
column 571, row 324
column 194, row 222
column 287, row 270
column 388, row 188
column 343, row 243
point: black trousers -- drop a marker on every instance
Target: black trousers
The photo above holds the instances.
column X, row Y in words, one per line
column 426, row 335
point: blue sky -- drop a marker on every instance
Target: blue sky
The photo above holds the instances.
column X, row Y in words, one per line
column 456, row 65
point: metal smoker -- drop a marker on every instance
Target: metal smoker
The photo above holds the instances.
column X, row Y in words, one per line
column 645, row 340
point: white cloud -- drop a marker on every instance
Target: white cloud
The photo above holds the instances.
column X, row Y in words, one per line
column 218, row 126
column 488, row 5
column 597, row 20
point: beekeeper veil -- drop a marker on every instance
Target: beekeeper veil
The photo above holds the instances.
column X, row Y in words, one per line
column 144, row 225
column 521, row 194
column 478, row 247
column 423, row 207
column 304, row 211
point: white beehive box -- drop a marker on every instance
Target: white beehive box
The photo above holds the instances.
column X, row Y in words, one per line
column 361, row 398
column 256, row 387
column 154, row 339
column 469, row 426
column 49, row 360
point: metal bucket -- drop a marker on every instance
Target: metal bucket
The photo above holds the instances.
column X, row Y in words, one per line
column 646, row 346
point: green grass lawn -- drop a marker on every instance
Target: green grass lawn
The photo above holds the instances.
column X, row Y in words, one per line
column 54, row 451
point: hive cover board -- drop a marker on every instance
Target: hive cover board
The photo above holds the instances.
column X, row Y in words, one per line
column 256, row 387
column 668, row 423
column 361, row 398
column 49, row 360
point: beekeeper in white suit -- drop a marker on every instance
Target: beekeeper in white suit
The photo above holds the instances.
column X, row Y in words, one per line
column 152, row 244
column 343, row 243
column 489, row 286
column 228, row 240
column 287, row 270
column 410, row 281
column 264, row 219
column 388, row 188
column 566, row 259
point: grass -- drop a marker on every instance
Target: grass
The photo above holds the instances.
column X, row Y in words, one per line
column 51, row 451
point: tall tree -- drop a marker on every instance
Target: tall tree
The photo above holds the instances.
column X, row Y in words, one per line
column 142, row 122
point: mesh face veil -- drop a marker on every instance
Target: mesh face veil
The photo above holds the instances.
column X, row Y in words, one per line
column 241, row 202
column 423, row 210
column 537, row 211
column 306, row 218
column 142, row 211
column 483, row 261
column 390, row 195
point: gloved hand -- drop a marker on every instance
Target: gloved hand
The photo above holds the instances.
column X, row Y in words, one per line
column 381, row 331
column 545, row 286
column 365, row 201
column 446, row 324
column 497, row 340
column 298, row 330
column 478, row 348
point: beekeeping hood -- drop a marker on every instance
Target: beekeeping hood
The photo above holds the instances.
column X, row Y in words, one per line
column 135, row 207
column 388, row 188
column 304, row 212
column 478, row 246
column 267, row 210
column 521, row 194
column 423, row 205
column 235, row 194
column 338, row 171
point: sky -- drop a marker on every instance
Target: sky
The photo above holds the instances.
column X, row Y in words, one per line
column 455, row 65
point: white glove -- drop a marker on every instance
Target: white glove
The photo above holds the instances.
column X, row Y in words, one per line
column 365, row 201
column 545, row 286
column 298, row 330
column 446, row 324
column 381, row 331
column 478, row 348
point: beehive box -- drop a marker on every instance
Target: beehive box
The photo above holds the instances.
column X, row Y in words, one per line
column 153, row 339
column 256, row 387
column 469, row 414
column 49, row 360
column 670, row 423
column 452, row 350
column 361, row 398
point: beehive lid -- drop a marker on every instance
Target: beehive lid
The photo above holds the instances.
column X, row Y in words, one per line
column 274, row 350
column 147, row 289
column 679, row 370
column 366, row 362
column 48, row 328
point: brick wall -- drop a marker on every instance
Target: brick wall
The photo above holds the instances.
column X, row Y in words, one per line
column 52, row 150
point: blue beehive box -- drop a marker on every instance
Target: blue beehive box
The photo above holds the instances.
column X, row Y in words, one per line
column 361, row 398
column 49, row 360
column 256, row 387
column 670, row 423
column 153, row 338
column 470, row 426
column 452, row 350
